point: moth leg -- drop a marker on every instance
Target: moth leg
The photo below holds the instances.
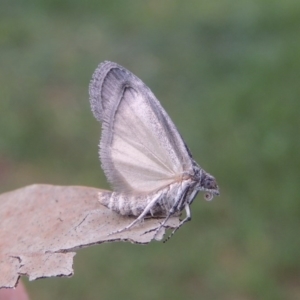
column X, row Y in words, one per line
column 140, row 217
column 186, row 219
column 181, row 201
column 178, row 203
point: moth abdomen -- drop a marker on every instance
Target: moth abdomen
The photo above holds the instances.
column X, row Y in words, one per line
column 125, row 205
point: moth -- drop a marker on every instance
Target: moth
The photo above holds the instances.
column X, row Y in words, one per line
column 145, row 159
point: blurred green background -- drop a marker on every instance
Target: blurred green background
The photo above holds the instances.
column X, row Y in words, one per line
column 228, row 74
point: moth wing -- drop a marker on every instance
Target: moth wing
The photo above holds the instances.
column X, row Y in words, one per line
column 140, row 148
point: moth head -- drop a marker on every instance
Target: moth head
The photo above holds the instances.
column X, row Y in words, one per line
column 208, row 184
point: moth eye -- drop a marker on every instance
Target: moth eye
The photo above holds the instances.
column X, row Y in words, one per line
column 208, row 196
column 210, row 183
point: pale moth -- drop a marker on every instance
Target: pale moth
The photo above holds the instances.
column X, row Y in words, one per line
column 143, row 155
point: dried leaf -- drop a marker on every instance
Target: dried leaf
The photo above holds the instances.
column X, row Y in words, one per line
column 42, row 225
